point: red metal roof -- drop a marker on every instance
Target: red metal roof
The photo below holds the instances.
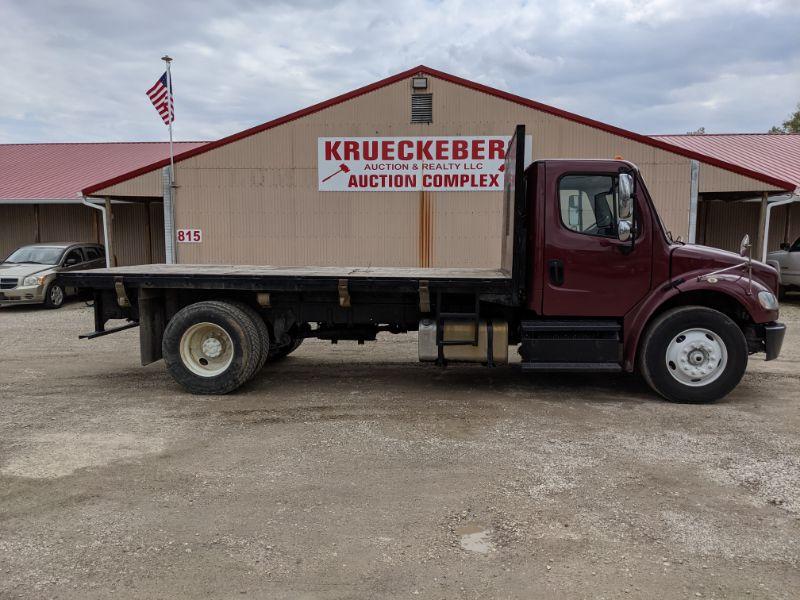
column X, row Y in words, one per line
column 60, row 171
column 422, row 69
column 774, row 154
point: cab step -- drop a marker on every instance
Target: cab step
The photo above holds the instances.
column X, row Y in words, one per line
column 571, row 345
column 564, row 367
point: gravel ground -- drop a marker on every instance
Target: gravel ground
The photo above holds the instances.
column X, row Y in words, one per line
column 354, row 472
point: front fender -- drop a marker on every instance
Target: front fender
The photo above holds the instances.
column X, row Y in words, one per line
column 739, row 289
column 777, row 266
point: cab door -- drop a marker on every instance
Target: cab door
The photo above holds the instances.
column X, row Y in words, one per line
column 588, row 271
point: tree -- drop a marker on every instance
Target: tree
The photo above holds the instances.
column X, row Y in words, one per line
column 790, row 125
column 700, row 131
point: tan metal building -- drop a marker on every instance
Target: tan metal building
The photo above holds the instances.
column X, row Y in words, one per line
column 254, row 197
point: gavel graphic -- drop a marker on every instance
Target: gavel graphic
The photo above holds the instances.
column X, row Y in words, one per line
column 343, row 168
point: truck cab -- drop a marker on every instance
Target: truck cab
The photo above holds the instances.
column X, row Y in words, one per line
column 608, row 289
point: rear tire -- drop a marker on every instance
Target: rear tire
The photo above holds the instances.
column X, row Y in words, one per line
column 54, row 296
column 211, row 347
column 693, row 354
column 261, row 327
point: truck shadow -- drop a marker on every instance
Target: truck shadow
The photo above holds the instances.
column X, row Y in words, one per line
column 300, row 374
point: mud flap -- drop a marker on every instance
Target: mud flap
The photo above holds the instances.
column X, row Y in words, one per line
column 152, row 321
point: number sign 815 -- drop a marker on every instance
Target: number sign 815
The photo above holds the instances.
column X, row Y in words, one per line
column 190, row 235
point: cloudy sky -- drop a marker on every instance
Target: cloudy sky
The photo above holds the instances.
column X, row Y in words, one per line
column 77, row 70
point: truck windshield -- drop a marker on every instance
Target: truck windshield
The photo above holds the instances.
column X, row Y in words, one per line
column 41, row 255
column 796, row 246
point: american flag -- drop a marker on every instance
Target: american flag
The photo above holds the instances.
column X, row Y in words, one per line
column 161, row 97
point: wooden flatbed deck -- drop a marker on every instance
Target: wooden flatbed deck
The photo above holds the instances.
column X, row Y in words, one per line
column 160, row 270
column 265, row 277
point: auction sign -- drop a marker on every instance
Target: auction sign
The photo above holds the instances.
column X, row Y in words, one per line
column 404, row 164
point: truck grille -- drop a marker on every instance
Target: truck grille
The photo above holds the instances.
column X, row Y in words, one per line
column 8, row 283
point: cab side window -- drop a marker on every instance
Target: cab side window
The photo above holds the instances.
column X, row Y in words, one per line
column 92, row 253
column 588, row 204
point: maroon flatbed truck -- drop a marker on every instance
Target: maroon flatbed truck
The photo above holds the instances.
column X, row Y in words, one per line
column 590, row 281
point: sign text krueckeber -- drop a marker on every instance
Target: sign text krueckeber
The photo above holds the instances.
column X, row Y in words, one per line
column 400, row 164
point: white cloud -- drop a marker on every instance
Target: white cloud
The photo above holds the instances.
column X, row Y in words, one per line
column 79, row 72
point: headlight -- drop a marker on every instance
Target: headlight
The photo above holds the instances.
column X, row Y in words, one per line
column 768, row 300
column 34, row 280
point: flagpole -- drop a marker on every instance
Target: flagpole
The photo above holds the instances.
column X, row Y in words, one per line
column 167, row 59
column 174, row 254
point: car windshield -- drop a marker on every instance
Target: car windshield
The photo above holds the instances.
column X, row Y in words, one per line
column 41, row 255
column 796, row 246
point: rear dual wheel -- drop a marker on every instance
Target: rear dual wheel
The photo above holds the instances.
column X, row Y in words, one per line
column 213, row 347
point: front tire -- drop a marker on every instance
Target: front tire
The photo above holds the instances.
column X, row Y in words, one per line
column 54, row 296
column 693, row 354
column 211, row 347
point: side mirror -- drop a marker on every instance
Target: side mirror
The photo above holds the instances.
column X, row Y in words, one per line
column 625, row 207
column 624, row 230
column 625, row 196
column 70, row 262
column 744, row 246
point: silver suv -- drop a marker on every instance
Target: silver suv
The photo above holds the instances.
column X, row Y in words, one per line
column 787, row 261
column 28, row 275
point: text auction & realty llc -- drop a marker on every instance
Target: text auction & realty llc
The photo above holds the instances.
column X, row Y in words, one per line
column 404, row 164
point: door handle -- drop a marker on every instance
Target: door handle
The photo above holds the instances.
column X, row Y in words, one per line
column 556, row 269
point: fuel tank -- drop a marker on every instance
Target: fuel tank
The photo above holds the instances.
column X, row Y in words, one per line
column 464, row 331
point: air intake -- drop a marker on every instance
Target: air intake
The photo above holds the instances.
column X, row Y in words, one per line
column 422, row 108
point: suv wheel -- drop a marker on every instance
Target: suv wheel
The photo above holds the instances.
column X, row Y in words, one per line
column 54, row 296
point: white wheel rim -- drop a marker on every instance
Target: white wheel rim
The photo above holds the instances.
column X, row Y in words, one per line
column 206, row 349
column 56, row 295
column 696, row 357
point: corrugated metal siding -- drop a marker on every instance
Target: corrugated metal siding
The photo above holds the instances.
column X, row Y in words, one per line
column 144, row 186
column 130, row 238
column 256, row 199
column 714, row 179
column 723, row 224
column 467, row 225
column 17, row 227
column 66, row 223
column 157, row 228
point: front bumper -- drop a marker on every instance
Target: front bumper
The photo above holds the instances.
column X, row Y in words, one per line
column 773, row 339
column 22, row 295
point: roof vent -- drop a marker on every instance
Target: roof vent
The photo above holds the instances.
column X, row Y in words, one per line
column 422, row 108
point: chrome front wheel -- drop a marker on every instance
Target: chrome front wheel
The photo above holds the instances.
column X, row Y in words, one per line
column 693, row 354
column 696, row 357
